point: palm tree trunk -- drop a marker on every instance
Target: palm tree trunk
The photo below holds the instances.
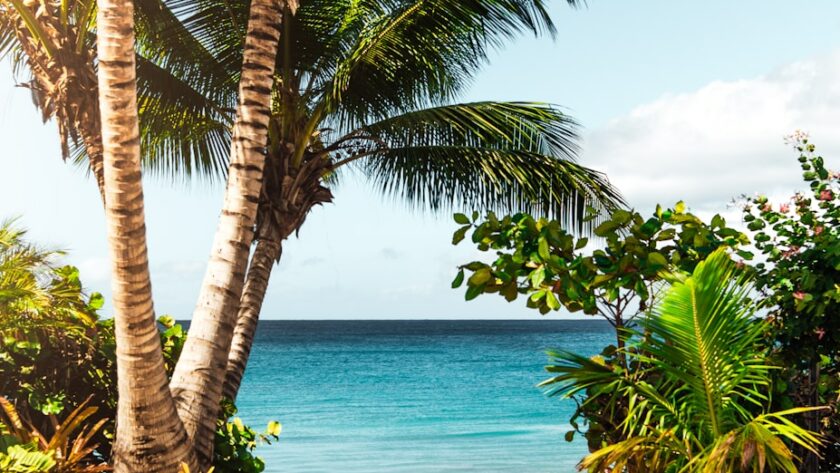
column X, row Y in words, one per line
column 267, row 252
column 286, row 202
column 150, row 437
column 199, row 374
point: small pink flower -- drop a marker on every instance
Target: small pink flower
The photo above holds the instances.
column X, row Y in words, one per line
column 799, row 295
column 767, row 207
column 820, row 333
column 790, row 252
column 818, row 230
column 826, row 195
column 784, row 208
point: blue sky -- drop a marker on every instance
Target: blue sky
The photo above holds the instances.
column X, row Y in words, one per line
column 678, row 100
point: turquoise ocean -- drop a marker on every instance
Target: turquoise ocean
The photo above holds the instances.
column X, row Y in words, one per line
column 414, row 396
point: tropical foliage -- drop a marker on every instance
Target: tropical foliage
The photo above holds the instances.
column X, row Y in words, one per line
column 55, row 352
column 618, row 280
column 800, row 241
column 235, row 443
column 57, row 361
column 697, row 401
column 364, row 84
column 623, row 278
column 69, row 449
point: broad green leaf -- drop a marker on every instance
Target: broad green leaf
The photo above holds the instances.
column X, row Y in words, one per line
column 459, row 279
column 96, row 301
column 480, row 277
column 605, row 228
column 462, row 219
column 657, row 259
column 543, row 250
column 551, row 300
column 459, row 235
column 473, row 292
column 274, row 428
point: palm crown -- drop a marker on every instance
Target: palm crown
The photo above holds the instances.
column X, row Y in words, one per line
column 369, row 84
column 364, row 83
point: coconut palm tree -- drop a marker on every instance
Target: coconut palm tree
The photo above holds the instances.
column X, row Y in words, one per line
column 362, row 84
column 370, row 85
column 185, row 116
column 197, row 392
column 150, row 436
column 697, row 402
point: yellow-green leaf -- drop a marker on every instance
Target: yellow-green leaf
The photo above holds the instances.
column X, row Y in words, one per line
column 274, row 428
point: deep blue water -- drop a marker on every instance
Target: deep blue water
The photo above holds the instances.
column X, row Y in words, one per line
column 413, row 396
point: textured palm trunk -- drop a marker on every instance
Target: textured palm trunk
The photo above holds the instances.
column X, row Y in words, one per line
column 150, row 437
column 286, row 201
column 266, row 253
column 199, row 374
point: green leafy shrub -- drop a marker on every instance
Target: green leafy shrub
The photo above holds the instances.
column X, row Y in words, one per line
column 800, row 283
column 55, row 352
column 57, row 355
column 700, row 401
column 618, row 280
column 798, row 278
column 236, row 442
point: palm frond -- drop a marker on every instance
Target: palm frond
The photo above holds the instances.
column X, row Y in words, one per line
column 702, row 366
column 489, row 155
column 700, row 334
column 408, row 54
column 184, row 132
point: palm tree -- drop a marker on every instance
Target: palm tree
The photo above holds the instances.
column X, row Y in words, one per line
column 369, row 85
column 195, row 388
column 697, row 402
column 362, row 84
column 150, row 436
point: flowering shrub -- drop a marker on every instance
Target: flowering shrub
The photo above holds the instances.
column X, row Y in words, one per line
column 800, row 285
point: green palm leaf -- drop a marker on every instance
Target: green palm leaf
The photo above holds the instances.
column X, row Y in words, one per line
column 492, row 155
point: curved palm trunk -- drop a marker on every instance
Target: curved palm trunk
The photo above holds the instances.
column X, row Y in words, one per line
column 150, row 437
column 266, row 253
column 286, row 202
column 199, row 374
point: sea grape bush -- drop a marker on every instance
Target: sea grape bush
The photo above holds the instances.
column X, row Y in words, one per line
column 617, row 280
column 236, row 442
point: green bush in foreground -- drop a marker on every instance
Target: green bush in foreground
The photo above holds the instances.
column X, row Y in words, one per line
column 697, row 401
column 57, row 355
column 800, row 285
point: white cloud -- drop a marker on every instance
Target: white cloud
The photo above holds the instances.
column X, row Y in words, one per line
column 725, row 139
